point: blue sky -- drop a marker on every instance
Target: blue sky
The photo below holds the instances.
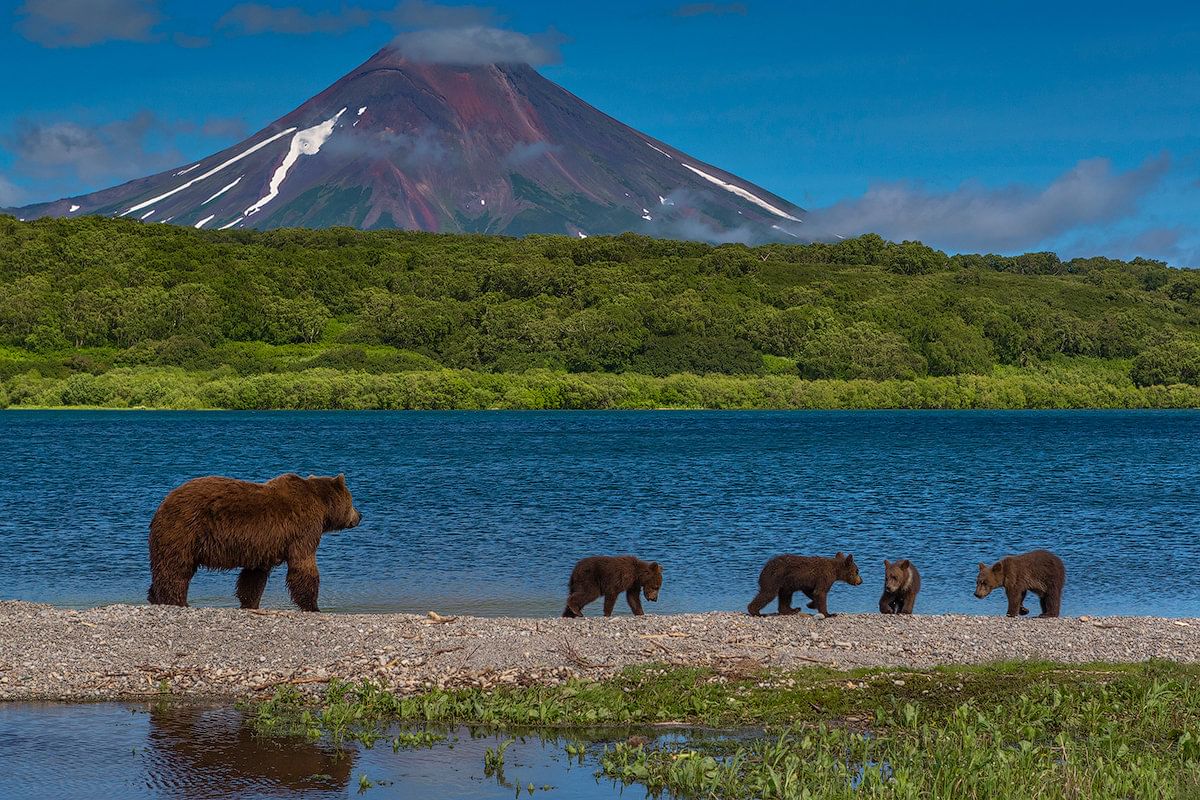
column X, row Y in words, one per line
column 997, row 127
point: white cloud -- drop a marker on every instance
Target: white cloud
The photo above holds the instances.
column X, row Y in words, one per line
column 80, row 23
column 974, row 217
column 478, row 44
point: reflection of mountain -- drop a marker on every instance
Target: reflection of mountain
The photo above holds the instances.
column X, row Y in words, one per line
column 199, row 753
column 489, row 149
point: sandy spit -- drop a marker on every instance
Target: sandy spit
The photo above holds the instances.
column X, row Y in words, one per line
column 127, row 652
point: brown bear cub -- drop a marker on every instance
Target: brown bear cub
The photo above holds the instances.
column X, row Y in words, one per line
column 610, row 576
column 222, row 523
column 901, row 582
column 1039, row 571
column 785, row 575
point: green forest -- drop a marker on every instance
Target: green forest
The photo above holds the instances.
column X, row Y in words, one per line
column 113, row 313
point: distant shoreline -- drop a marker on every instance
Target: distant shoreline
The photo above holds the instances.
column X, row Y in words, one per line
column 544, row 390
column 136, row 652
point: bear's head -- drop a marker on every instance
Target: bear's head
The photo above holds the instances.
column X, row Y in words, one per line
column 896, row 576
column 847, row 570
column 650, row 576
column 989, row 578
column 340, row 512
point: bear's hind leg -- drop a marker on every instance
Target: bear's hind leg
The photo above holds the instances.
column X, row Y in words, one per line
column 169, row 590
column 250, row 585
column 1050, row 602
column 610, row 602
column 577, row 600
column 785, row 604
column 304, row 581
column 760, row 600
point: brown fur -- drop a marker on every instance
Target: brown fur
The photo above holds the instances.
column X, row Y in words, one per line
column 785, row 575
column 610, row 576
column 901, row 582
column 222, row 523
column 1039, row 571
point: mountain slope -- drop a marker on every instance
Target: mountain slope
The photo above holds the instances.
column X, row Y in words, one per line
column 496, row 148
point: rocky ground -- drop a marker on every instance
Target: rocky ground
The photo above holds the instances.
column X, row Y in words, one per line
column 122, row 652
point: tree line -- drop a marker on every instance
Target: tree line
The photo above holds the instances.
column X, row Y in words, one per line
column 92, row 295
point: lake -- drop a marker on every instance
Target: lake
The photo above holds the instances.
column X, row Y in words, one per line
column 486, row 512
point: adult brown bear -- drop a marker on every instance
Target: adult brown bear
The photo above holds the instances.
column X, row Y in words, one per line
column 222, row 523
column 1038, row 571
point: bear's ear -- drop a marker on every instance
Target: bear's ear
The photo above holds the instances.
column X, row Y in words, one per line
column 905, row 564
column 982, row 566
column 340, row 480
column 655, row 566
column 886, row 563
column 840, row 554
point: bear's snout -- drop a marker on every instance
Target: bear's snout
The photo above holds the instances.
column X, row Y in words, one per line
column 356, row 520
column 652, row 595
column 857, row 580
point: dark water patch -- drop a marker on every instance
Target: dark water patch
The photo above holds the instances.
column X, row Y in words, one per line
column 195, row 752
column 486, row 512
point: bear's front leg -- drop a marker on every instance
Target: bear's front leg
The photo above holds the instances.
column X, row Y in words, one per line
column 820, row 603
column 250, row 586
column 635, row 602
column 304, row 581
column 1015, row 601
column 886, row 604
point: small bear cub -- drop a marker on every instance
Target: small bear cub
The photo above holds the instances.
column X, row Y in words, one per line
column 901, row 582
column 610, row 576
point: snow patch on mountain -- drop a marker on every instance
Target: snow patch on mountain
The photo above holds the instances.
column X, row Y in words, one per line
column 230, row 224
column 204, row 221
column 147, row 214
column 742, row 193
column 73, row 209
column 211, row 172
column 223, row 191
column 305, row 143
column 664, row 152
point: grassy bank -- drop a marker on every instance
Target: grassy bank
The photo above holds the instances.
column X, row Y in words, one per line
column 1003, row 731
column 165, row 388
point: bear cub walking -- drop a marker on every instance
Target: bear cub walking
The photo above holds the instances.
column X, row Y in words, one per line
column 785, row 575
column 222, row 523
column 901, row 582
column 1038, row 571
column 610, row 576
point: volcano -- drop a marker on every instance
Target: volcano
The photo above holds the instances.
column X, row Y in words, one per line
column 482, row 149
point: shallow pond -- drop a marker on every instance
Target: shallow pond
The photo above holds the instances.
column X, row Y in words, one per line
column 111, row 750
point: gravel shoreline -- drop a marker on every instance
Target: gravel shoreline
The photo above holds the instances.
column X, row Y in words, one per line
column 129, row 652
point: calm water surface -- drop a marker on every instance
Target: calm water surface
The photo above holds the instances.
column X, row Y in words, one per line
column 136, row 752
column 486, row 512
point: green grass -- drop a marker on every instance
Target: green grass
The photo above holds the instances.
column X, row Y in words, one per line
column 1020, row 730
column 1070, row 385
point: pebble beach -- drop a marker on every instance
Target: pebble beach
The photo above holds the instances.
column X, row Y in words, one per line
column 134, row 652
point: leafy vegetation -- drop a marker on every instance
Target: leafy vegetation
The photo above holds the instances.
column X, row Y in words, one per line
column 1000, row 731
column 116, row 313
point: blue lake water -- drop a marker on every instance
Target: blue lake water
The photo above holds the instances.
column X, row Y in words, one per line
column 486, row 512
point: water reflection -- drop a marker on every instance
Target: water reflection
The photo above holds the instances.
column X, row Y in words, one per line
column 199, row 753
